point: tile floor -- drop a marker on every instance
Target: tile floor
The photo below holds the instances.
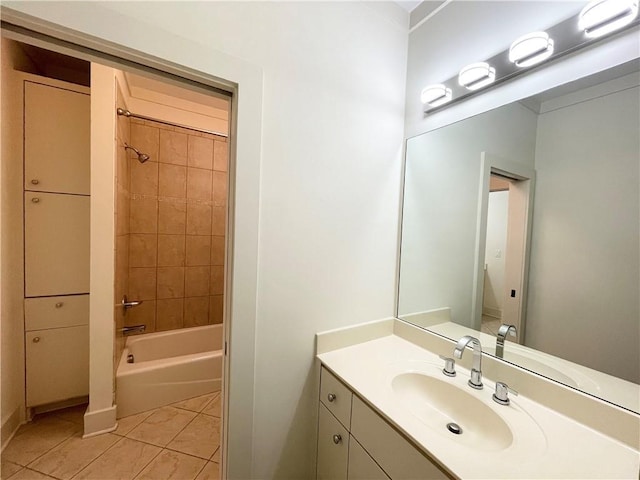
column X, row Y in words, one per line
column 177, row 442
column 490, row 325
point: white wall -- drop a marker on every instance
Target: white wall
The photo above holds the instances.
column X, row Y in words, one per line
column 495, row 252
column 585, row 265
column 332, row 112
column 441, row 206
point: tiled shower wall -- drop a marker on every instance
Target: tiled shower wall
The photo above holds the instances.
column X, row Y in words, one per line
column 176, row 227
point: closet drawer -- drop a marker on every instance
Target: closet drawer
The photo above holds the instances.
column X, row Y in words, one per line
column 335, row 396
column 56, row 312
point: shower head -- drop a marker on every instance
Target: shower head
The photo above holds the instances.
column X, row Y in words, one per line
column 142, row 157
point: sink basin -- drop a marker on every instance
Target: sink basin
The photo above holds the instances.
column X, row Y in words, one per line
column 437, row 402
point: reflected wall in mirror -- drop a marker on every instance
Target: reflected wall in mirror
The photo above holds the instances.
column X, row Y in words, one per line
column 581, row 286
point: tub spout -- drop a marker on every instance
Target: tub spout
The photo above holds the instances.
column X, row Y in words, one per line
column 133, row 329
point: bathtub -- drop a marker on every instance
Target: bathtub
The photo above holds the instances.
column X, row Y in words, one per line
column 168, row 367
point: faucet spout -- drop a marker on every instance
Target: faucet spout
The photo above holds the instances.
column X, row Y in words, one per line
column 476, row 370
column 503, row 331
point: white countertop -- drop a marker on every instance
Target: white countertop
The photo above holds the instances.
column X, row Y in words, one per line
column 545, row 444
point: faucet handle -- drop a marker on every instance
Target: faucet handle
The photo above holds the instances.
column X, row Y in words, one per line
column 449, row 366
column 501, row 394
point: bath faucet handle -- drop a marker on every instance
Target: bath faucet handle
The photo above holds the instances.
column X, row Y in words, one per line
column 501, row 394
column 449, row 366
column 127, row 304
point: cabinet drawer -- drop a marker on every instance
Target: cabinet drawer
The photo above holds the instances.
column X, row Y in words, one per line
column 56, row 312
column 56, row 244
column 333, row 447
column 361, row 465
column 399, row 458
column 57, row 362
column 336, row 397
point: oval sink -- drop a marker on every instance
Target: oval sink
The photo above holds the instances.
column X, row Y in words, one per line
column 438, row 402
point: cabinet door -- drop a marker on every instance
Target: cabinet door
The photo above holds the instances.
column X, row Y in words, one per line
column 56, row 139
column 56, row 244
column 333, row 447
column 57, row 364
column 361, row 465
column 56, row 312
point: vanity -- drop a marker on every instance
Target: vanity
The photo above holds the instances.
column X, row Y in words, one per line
column 386, row 410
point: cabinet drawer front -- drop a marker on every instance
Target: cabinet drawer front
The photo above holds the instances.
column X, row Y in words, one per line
column 57, row 364
column 336, row 397
column 333, row 447
column 56, row 312
column 361, row 465
column 395, row 454
column 56, row 139
column 56, row 244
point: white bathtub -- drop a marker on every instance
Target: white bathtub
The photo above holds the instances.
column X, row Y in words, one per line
column 168, row 367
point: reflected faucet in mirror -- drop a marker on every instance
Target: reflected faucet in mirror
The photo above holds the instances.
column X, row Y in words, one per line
column 476, row 370
column 503, row 331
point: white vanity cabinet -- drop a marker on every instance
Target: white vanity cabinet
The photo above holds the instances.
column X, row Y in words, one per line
column 355, row 443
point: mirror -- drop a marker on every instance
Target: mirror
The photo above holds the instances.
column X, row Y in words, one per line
column 554, row 249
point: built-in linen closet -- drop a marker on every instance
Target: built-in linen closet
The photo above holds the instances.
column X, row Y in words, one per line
column 56, row 119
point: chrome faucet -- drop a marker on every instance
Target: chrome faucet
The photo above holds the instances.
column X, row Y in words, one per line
column 503, row 331
column 476, row 370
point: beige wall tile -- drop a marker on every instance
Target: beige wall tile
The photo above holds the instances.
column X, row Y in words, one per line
column 122, row 211
column 199, row 183
column 217, row 280
column 144, row 215
column 220, row 156
column 200, row 152
column 143, row 250
column 144, row 178
column 196, row 311
column 172, row 217
column 172, row 181
column 217, row 250
column 170, row 282
column 170, row 465
column 142, row 283
column 216, row 308
column 200, row 438
column 198, row 250
column 196, row 281
column 171, row 250
column 170, row 314
column 122, row 261
column 219, row 189
column 143, row 314
column 146, row 140
column 198, row 219
column 218, row 225
column 173, row 147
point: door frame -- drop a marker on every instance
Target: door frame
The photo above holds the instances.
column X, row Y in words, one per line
column 525, row 177
column 215, row 73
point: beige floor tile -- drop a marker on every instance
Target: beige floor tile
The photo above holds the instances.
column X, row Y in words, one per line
column 72, row 414
column 27, row 474
column 216, row 456
column 195, row 404
column 211, row 471
column 123, row 461
column 170, row 465
column 126, row 424
column 71, row 456
column 8, row 468
column 200, row 438
column 37, row 438
column 162, row 426
column 213, row 408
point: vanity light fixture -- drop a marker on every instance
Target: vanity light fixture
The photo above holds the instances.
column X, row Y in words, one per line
column 530, row 49
column 435, row 95
column 601, row 17
column 477, row 75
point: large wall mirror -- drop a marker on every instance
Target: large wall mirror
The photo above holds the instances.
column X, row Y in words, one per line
column 529, row 215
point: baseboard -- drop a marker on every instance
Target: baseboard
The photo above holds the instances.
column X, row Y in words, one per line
column 99, row 422
column 492, row 312
column 10, row 427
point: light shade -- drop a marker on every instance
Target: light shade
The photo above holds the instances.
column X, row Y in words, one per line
column 605, row 16
column 435, row 95
column 477, row 75
column 531, row 49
